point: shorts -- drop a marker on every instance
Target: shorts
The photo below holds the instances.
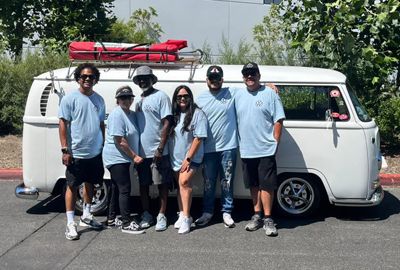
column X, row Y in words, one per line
column 149, row 173
column 260, row 172
column 82, row 170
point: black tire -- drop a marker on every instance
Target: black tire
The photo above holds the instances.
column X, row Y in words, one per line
column 99, row 202
column 298, row 195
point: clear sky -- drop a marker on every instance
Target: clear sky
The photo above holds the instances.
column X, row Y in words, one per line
column 198, row 21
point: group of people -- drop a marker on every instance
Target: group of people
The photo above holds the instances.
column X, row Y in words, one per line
column 167, row 142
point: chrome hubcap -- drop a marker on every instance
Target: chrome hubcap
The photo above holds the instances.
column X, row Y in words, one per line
column 295, row 195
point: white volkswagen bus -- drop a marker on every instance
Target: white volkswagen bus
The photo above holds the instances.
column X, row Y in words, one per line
column 330, row 147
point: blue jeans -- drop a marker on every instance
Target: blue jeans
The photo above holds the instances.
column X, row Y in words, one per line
column 220, row 164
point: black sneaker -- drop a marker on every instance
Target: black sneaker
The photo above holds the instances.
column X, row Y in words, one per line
column 255, row 223
column 114, row 223
column 132, row 228
column 90, row 222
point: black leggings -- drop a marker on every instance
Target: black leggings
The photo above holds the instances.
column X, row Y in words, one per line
column 120, row 192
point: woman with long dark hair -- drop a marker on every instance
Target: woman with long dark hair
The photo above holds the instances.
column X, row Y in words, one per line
column 186, row 149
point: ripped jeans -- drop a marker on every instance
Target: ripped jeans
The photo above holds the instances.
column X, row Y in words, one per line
column 220, row 164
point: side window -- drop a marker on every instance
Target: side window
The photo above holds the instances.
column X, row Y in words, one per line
column 313, row 103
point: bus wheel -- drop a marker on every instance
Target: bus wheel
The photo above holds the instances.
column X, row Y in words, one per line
column 298, row 196
column 99, row 201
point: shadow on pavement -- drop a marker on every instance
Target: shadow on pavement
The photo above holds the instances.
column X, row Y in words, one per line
column 243, row 211
column 51, row 204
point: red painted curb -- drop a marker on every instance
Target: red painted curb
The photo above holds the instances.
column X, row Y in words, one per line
column 390, row 180
column 14, row 173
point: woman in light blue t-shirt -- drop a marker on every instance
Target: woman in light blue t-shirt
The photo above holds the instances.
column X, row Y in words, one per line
column 186, row 149
column 120, row 150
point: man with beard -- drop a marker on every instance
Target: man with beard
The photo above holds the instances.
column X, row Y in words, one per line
column 220, row 146
column 154, row 115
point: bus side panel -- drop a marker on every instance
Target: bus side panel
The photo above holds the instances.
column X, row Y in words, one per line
column 335, row 149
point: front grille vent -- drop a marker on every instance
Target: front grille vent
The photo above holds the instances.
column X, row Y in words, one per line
column 44, row 99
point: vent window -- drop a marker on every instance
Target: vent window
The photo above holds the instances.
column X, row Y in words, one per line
column 44, row 99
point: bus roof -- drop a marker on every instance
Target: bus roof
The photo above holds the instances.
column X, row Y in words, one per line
column 232, row 73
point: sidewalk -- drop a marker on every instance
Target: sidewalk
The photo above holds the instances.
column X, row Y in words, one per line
column 387, row 180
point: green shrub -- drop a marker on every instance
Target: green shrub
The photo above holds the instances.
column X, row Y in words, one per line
column 388, row 120
column 15, row 81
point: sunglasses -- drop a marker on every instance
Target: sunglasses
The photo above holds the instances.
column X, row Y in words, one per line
column 249, row 72
column 179, row 97
column 84, row 77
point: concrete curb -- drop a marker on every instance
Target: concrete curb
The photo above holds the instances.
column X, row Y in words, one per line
column 388, row 180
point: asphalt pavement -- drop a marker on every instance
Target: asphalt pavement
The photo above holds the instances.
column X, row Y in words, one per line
column 32, row 237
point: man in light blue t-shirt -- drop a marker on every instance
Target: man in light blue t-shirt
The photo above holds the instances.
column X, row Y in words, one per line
column 220, row 146
column 154, row 114
column 260, row 115
column 81, row 130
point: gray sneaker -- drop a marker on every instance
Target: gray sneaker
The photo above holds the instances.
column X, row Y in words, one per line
column 90, row 222
column 147, row 220
column 204, row 219
column 269, row 227
column 161, row 223
column 255, row 223
column 71, row 232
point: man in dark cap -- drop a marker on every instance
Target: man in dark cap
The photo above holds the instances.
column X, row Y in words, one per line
column 260, row 115
column 220, row 147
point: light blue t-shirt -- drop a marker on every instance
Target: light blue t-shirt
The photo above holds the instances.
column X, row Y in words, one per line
column 180, row 143
column 256, row 113
column 219, row 108
column 84, row 114
column 124, row 125
column 149, row 112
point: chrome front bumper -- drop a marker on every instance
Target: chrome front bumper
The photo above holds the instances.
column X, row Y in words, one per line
column 375, row 199
column 23, row 192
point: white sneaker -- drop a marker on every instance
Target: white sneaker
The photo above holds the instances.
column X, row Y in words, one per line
column 70, row 232
column 178, row 223
column 185, row 225
column 161, row 224
column 228, row 220
column 204, row 219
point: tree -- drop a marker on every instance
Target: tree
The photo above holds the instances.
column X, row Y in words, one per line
column 54, row 23
column 272, row 46
column 228, row 55
column 17, row 20
column 139, row 29
column 358, row 37
column 64, row 21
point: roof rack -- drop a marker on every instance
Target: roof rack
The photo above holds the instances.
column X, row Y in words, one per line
column 159, row 59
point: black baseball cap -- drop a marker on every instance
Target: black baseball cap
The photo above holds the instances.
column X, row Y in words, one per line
column 215, row 72
column 250, row 66
column 124, row 91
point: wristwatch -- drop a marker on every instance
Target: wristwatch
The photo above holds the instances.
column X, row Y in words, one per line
column 188, row 159
column 160, row 150
column 64, row 150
